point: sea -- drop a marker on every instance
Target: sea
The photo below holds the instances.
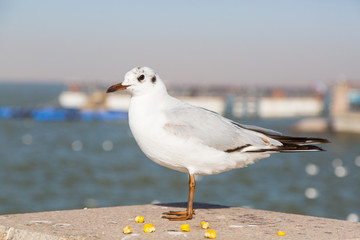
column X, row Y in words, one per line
column 56, row 165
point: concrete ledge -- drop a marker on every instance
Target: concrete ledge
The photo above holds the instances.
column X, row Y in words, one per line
column 228, row 222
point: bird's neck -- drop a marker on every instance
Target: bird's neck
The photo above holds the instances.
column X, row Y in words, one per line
column 149, row 102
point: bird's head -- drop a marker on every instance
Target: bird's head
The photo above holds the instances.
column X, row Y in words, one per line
column 139, row 81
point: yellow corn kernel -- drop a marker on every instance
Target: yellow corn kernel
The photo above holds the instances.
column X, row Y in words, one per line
column 139, row 219
column 210, row 234
column 185, row 228
column 204, row 225
column 149, row 228
column 281, row 233
column 127, row 230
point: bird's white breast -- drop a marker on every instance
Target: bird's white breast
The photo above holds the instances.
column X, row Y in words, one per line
column 146, row 122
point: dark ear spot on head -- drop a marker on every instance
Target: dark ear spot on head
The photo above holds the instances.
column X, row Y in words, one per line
column 141, row 77
column 153, row 80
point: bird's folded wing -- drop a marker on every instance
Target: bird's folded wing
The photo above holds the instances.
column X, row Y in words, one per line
column 213, row 130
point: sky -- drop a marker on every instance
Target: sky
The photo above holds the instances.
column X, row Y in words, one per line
column 280, row 42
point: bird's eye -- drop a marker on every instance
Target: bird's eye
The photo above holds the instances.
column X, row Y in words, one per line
column 141, row 77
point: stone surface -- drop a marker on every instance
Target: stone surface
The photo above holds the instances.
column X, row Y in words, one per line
column 228, row 222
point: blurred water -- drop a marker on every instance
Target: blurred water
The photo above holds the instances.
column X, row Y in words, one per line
column 74, row 164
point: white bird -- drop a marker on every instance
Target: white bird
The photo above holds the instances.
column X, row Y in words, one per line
column 192, row 139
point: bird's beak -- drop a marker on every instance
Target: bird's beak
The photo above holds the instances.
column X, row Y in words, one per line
column 117, row 87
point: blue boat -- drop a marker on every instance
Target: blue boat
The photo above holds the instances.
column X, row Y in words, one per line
column 52, row 114
column 103, row 115
column 62, row 114
column 5, row 112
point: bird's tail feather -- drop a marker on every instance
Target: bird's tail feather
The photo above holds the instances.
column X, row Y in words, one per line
column 298, row 140
column 289, row 143
column 293, row 144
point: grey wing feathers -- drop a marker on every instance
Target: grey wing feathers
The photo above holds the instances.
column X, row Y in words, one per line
column 212, row 129
column 225, row 135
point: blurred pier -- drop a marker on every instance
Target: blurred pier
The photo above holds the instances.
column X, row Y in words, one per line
column 228, row 222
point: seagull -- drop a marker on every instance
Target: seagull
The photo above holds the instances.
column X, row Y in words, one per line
column 195, row 140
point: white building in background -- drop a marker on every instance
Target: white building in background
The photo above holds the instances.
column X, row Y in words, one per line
column 277, row 107
column 290, row 107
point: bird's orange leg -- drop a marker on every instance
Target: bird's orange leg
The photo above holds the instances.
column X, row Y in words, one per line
column 185, row 215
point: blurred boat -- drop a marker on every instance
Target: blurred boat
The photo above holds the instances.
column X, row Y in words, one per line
column 72, row 104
